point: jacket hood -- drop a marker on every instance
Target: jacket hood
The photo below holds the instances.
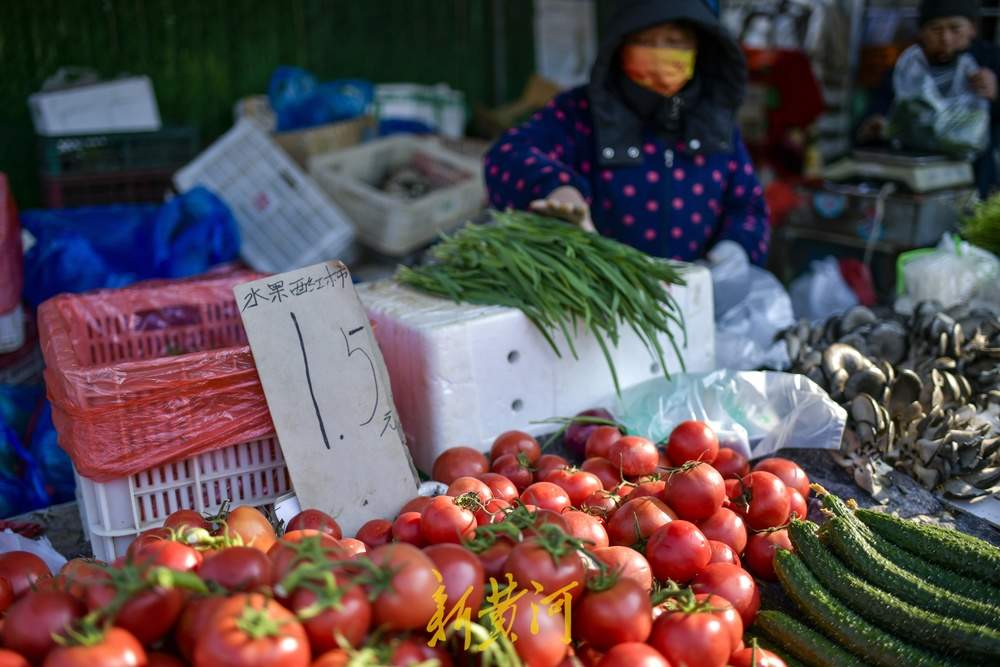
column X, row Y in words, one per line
column 721, row 68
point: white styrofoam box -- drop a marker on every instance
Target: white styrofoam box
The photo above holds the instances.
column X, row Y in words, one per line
column 393, row 226
column 11, row 330
column 286, row 222
column 463, row 374
column 122, row 105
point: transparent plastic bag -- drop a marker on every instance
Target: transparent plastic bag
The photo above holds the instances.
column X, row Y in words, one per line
column 756, row 413
column 751, row 307
column 954, row 272
column 821, row 292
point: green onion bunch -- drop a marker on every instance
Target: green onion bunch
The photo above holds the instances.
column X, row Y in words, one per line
column 561, row 277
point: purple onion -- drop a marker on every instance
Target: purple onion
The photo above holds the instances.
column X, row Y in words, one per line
column 577, row 433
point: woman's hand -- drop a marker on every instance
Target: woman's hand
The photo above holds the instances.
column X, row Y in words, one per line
column 565, row 203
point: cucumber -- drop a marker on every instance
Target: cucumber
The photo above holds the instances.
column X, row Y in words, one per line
column 950, row 548
column 947, row 635
column 803, row 642
column 868, row 563
column 942, row 576
column 767, row 645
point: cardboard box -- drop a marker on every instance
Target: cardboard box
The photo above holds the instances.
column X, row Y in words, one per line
column 122, row 105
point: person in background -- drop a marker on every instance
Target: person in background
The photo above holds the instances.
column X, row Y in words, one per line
column 948, row 29
column 648, row 152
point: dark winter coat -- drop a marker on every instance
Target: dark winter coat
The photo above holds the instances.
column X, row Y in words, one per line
column 669, row 176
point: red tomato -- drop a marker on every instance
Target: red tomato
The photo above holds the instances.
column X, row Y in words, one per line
column 723, row 553
column 540, row 630
column 464, row 485
column 601, row 504
column 329, row 612
column 652, row 487
column 578, row 484
column 252, row 527
column 156, row 659
column 605, row 471
column 415, row 505
column 692, row 441
column 600, row 441
column 546, row 495
column 301, row 546
column 316, row 520
column 796, row 504
column 6, row 596
column 760, row 552
column 695, row 493
column 636, row 520
column 628, row 563
column 225, row 644
column 169, row 554
column 335, row 658
column 444, row 520
column 634, row 456
column 144, row 538
column 149, row 614
column 353, row 547
column 117, row 649
column 516, row 442
column 414, row 651
column 375, row 533
column 518, row 471
column 492, row 512
column 22, row 569
column 577, row 433
column 11, row 659
column 586, row 527
column 193, row 622
column 543, row 517
column 31, row 622
column 530, row 563
column 732, row 583
column 731, row 464
column 547, row 463
column 616, row 615
column 727, row 527
column 494, row 557
column 633, row 654
column 407, row 528
column 788, row 472
column 187, row 519
column 407, row 603
column 500, row 486
column 695, row 639
column 769, row 504
column 678, row 551
column 754, row 656
column 461, row 575
column 237, row 569
column 459, row 462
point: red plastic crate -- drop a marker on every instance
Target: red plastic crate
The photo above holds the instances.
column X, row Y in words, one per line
column 120, row 187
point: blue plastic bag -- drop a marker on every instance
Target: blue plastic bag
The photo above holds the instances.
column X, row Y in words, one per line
column 53, row 462
column 300, row 101
column 81, row 249
column 22, row 487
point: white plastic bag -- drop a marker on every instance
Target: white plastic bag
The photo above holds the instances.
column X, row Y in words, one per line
column 955, row 272
column 751, row 308
column 755, row 413
column 11, row 541
column 821, row 292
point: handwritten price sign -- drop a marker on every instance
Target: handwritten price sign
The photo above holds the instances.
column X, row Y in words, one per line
column 328, row 392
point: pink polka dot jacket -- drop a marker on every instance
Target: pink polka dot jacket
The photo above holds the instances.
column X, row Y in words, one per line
column 669, row 199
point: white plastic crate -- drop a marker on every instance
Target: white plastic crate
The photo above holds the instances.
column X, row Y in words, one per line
column 462, row 374
column 285, row 221
column 11, row 330
column 114, row 512
column 391, row 225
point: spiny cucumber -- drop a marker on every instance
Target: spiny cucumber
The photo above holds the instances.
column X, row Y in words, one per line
column 803, row 642
column 868, row 563
column 949, row 548
column 948, row 635
column 939, row 575
column 843, row 625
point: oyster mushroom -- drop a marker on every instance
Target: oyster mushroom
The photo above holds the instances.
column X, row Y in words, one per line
column 905, row 390
column 856, row 318
column 888, row 341
column 869, row 381
column 864, row 410
column 840, row 356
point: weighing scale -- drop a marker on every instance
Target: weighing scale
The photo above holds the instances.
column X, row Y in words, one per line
column 920, row 173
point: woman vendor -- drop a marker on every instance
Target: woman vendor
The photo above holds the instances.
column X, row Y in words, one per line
column 648, row 152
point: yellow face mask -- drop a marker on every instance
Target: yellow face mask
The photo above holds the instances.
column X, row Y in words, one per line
column 660, row 69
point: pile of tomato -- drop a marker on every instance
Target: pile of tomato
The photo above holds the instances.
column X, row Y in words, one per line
column 633, row 558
